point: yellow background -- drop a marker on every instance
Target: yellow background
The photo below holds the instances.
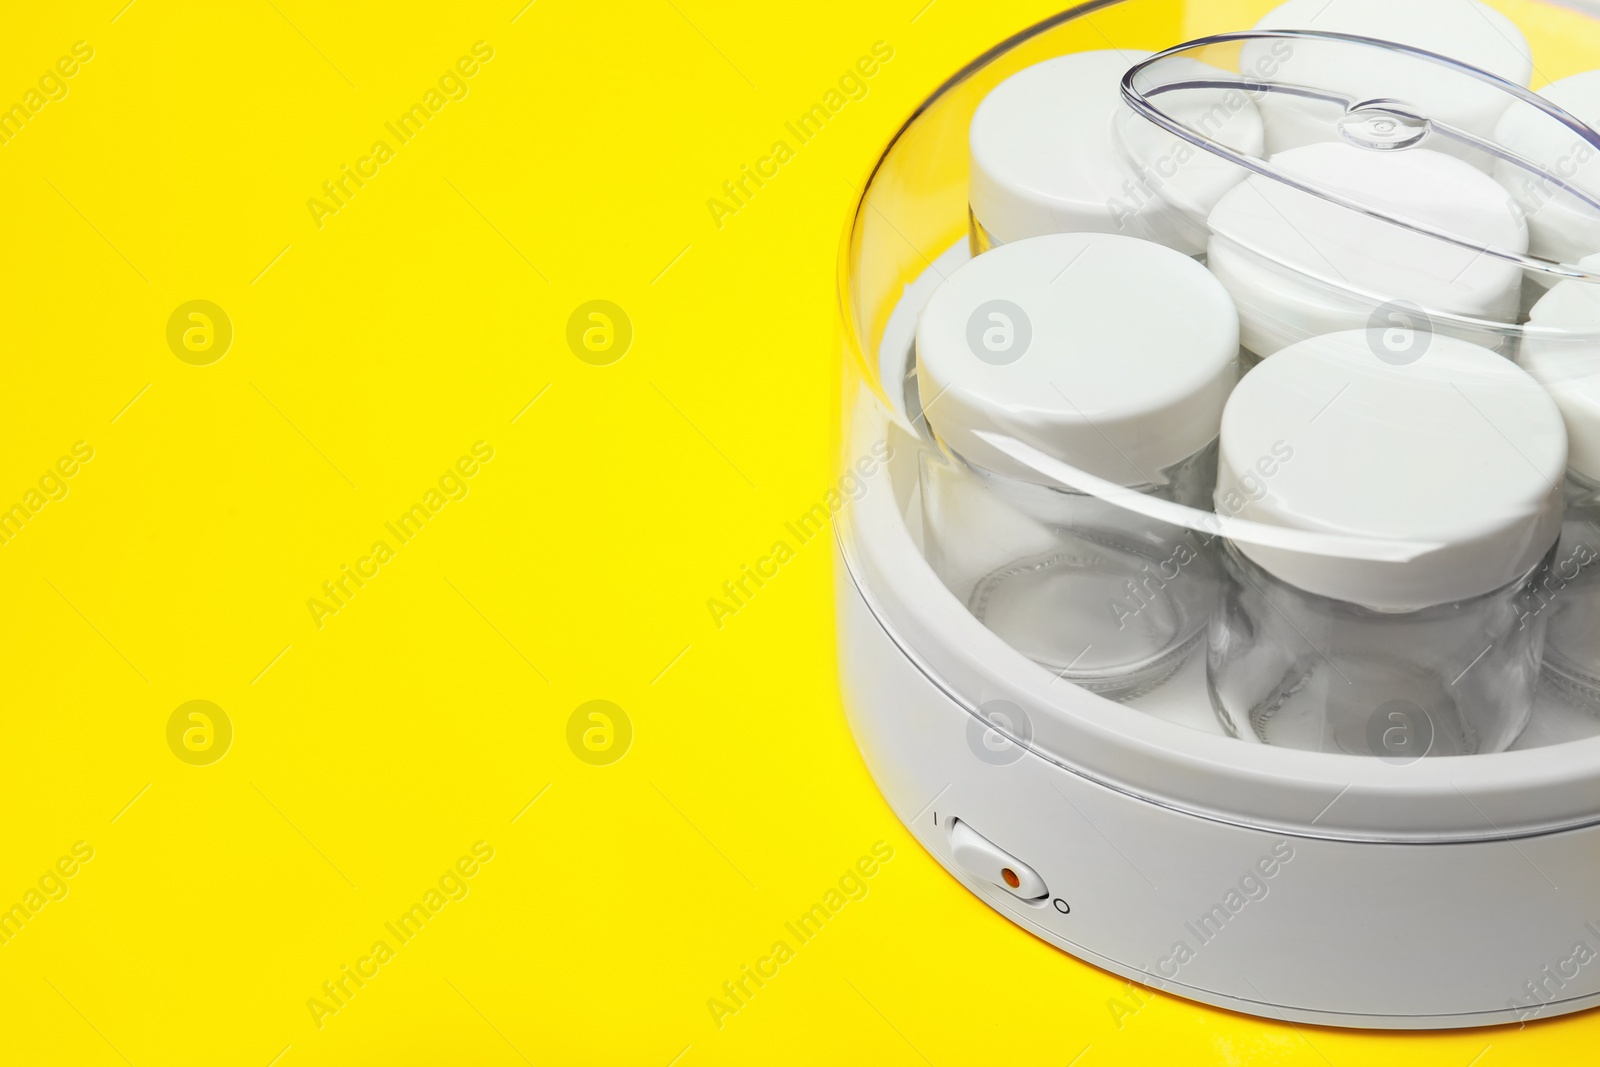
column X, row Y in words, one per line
column 372, row 752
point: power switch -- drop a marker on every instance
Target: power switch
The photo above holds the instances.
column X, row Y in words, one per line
column 982, row 858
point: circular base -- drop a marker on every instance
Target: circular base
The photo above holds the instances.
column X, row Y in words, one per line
column 1282, row 925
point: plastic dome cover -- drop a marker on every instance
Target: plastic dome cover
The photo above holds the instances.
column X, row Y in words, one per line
column 903, row 243
column 1397, row 213
column 1390, row 223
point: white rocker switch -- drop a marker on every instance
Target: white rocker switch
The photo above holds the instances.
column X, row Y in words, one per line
column 982, row 858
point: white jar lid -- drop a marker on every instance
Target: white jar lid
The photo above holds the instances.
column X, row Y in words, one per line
column 1561, row 349
column 1459, row 447
column 1112, row 354
column 1363, row 261
column 1047, row 154
column 1559, row 226
column 1465, row 30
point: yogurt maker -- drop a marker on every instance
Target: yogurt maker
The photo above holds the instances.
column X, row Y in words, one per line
column 1215, row 589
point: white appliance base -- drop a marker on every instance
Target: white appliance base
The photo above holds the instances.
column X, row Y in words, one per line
column 1339, row 933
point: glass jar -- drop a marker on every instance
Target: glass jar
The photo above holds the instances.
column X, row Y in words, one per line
column 1561, row 349
column 1050, row 152
column 1300, row 265
column 1457, row 451
column 1568, row 592
column 1106, row 599
column 1292, row 668
column 1560, row 226
column 1114, row 356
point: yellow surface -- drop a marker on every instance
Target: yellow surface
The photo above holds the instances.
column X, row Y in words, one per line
column 417, row 738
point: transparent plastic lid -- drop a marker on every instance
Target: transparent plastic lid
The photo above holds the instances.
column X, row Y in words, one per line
column 1394, row 194
column 1416, row 192
column 1528, row 148
column 1357, row 562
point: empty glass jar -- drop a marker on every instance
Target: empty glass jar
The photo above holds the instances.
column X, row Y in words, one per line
column 1114, row 356
column 1562, row 350
column 1455, row 456
column 1560, row 226
column 1569, row 593
column 1300, row 265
